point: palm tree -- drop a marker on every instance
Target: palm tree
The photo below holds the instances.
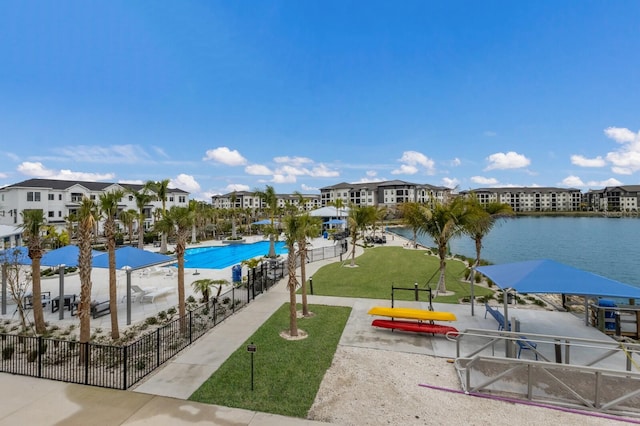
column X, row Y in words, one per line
column 359, row 218
column 310, row 229
column 443, row 222
column 32, row 224
column 204, row 287
column 142, row 199
column 70, row 222
column 128, row 217
column 271, row 200
column 413, row 215
column 86, row 225
column 109, row 208
column 160, row 188
column 293, row 231
column 484, row 217
column 178, row 221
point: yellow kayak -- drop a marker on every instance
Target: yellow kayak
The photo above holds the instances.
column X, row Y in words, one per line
column 409, row 313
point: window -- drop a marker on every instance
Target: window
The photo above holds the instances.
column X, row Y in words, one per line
column 51, row 197
column 50, row 213
column 59, row 213
column 60, row 197
column 182, row 199
column 92, row 197
column 36, row 196
column 33, row 196
column 130, row 197
column 30, row 196
column 171, row 198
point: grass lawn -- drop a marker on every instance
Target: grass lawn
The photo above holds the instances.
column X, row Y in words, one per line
column 287, row 374
column 381, row 267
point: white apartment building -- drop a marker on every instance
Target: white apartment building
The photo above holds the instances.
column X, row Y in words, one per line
column 248, row 200
column 531, row 199
column 384, row 194
column 59, row 198
column 624, row 198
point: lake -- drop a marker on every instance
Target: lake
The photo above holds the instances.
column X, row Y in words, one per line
column 606, row 246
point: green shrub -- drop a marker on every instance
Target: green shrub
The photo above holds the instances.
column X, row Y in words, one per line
column 151, row 321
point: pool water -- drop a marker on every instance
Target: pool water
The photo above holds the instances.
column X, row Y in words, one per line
column 224, row 256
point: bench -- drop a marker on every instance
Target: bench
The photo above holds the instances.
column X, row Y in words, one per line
column 524, row 343
column 99, row 309
column 498, row 316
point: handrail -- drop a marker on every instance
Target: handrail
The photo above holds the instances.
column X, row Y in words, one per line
column 534, row 381
column 599, row 350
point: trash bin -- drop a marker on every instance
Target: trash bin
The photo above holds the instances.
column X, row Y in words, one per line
column 325, row 234
column 236, row 273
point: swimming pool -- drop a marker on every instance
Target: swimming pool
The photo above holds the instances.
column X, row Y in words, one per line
column 223, row 256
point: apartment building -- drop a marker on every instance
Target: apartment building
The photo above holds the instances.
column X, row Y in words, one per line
column 384, row 194
column 248, row 200
column 624, row 198
column 531, row 199
column 60, row 198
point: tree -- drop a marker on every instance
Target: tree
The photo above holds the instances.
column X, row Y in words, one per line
column 32, row 224
column 310, row 228
column 18, row 280
column 161, row 189
column 443, row 222
column 359, row 218
column 204, row 285
column 109, row 209
column 70, row 222
column 413, row 215
column 128, row 217
column 142, row 199
column 178, row 221
column 86, row 225
column 269, row 197
column 293, row 232
column 484, row 217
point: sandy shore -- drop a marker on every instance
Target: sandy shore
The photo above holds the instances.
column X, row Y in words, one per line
column 377, row 387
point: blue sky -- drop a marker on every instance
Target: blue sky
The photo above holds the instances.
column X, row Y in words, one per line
column 236, row 95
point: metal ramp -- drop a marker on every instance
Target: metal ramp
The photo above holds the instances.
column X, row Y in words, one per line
column 588, row 374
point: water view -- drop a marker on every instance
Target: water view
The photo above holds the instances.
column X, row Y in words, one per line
column 605, row 246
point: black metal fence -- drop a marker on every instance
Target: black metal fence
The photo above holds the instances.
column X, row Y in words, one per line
column 120, row 367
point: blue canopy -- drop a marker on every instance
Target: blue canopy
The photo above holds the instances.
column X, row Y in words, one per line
column 67, row 255
column 335, row 222
column 131, row 257
column 548, row 276
column 19, row 255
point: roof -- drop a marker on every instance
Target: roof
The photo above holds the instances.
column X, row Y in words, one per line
column 60, row 185
column 548, row 276
column 330, row 211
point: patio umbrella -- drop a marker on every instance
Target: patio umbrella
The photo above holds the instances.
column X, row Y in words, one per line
column 264, row 222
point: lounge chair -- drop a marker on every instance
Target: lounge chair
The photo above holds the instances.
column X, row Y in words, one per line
column 137, row 292
column 151, row 296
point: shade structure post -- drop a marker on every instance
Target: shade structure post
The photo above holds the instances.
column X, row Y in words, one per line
column 505, row 301
column 4, row 289
column 61, row 300
column 128, row 271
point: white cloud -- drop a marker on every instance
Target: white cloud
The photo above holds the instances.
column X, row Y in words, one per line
column 582, row 161
column 132, row 181
column 37, row 169
column 278, row 178
column 3, row 175
column 371, row 173
column 414, row 158
column 620, row 134
column 481, row 180
column 114, row 154
column 308, row 188
column 258, row 169
column 208, row 194
column 323, row 171
column 450, row 182
column 160, row 151
column 510, row 160
column 291, row 170
column 225, row 156
column 576, row 182
column 237, row 187
column 405, row 169
column 185, row 182
column 455, row 162
column 369, row 179
column 625, row 160
column 294, row 161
